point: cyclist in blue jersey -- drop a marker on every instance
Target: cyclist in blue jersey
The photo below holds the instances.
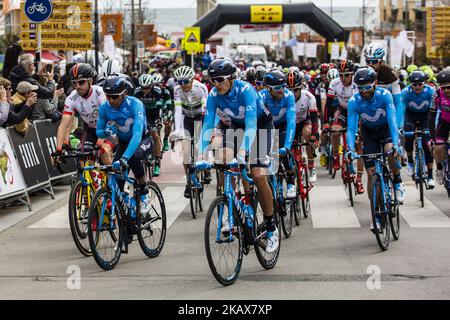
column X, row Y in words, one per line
column 418, row 100
column 122, row 123
column 375, row 107
column 241, row 110
column 281, row 104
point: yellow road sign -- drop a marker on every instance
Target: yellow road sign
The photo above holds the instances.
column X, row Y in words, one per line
column 341, row 45
column 266, row 14
column 64, row 5
column 70, row 18
column 59, row 35
column 192, row 39
column 56, row 45
column 55, row 26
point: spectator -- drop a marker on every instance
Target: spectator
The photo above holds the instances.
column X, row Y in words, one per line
column 21, row 107
column 11, row 57
column 135, row 78
column 24, row 71
column 46, row 108
column 65, row 81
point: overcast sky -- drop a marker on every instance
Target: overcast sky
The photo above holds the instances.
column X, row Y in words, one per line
column 193, row 3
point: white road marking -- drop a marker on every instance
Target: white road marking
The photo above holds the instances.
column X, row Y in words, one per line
column 175, row 203
column 58, row 219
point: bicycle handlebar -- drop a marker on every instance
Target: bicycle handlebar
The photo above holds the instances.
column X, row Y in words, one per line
column 109, row 168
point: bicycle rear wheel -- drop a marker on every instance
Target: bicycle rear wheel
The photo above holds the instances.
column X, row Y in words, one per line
column 394, row 209
column 419, row 176
column 382, row 233
column 287, row 218
column 78, row 216
column 298, row 198
column 306, row 205
column 153, row 224
column 224, row 254
column 105, row 236
column 348, row 184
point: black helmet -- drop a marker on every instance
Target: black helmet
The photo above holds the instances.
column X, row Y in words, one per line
column 221, row 67
column 356, row 66
column 250, row 74
column 365, row 75
column 444, row 76
column 260, row 71
column 294, row 79
column 82, row 71
column 417, row 76
column 345, row 66
column 274, row 77
column 114, row 84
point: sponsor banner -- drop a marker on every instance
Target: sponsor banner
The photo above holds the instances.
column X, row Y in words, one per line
column 10, row 176
column 112, row 24
column 260, row 27
column 266, row 14
column 29, row 155
column 46, row 132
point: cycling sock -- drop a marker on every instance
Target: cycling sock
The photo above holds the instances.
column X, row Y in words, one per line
column 290, row 178
column 397, row 178
column 142, row 189
column 410, row 159
column 439, row 166
column 270, row 225
column 430, row 173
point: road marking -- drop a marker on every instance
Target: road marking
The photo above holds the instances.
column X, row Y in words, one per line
column 58, row 219
column 330, row 208
column 417, row 217
column 175, row 203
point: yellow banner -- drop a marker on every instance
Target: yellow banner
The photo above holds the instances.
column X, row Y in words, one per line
column 56, row 45
column 266, row 14
column 55, row 26
column 69, row 18
column 59, row 35
column 341, row 45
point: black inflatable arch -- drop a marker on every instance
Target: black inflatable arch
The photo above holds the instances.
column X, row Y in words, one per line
column 307, row 13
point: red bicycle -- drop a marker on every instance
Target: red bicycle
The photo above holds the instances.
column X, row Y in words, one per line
column 303, row 183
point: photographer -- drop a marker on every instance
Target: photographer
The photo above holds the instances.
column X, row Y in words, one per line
column 9, row 116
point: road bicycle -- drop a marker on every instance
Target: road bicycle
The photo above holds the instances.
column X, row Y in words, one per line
column 446, row 165
column 420, row 175
column 233, row 227
column 115, row 216
column 383, row 200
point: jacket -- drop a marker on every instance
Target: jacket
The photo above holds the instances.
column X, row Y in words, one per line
column 18, row 74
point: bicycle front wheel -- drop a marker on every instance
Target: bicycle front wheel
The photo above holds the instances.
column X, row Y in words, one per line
column 306, row 205
column 382, row 228
column 394, row 211
column 419, row 176
column 79, row 201
column 105, row 230
column 298, row 198
column 287, row 218
column 153, row 223
column 224, row 247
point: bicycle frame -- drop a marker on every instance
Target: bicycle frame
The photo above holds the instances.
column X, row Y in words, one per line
column 418, row 134
column 299, row 152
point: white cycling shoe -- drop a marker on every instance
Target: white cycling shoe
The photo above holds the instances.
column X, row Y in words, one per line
column 400, row 192
column 291, row 191
column 312, row 175
column 272, row 241
column 430, row 183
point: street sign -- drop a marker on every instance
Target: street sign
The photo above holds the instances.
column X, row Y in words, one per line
column 82, row 16
column 266, row 14
column 66, row 5
column 59, row 35
column 56, row 45
column 192, row 41
column 37, row 11
column 56, row 26
column 140, row 49
column 438, row 29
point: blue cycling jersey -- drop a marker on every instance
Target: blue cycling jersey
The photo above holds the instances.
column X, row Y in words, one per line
column 374, row 113
column 420, row 103
column 282, row 111
column 396, row 91
column 241, row 106
column 130, row 118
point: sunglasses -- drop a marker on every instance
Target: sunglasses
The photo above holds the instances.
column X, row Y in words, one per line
column 8, row 88
column 417, row 84
column 113, row 96
column 372, row 61
column 183, row 82
column 79, row 82
column 218, row 79
column 260, row 83
column 365, row 87
column 277, row 88
column 296, row 89
column 146, row 88
column 345, row 75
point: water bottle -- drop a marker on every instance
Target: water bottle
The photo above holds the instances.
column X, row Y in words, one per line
column 248, row 211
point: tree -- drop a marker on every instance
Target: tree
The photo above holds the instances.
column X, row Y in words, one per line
column 8, row 40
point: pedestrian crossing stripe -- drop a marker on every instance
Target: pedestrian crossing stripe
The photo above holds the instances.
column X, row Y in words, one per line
column 192, row 38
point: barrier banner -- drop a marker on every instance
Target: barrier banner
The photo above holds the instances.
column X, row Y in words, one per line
column 29, row 154
column 46, row 133
column 10, row 176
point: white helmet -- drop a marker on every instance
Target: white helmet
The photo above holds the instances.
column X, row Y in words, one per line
column 332, row 74
column 145, row 80
column 184, row 72
column 294, row 68
column 111, row 66
column 157, row 78
column 374, row 51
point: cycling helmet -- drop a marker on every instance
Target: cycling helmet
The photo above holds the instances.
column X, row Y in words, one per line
column 157, row 78
column 260, row 71
column 294, row 68
column 221, row 67
column 331, row 65
column 444, row 76
column 184, row 72
column 274, row 77
column 294, row 79
column 345, row 66
column 365, row 75
column 145, row 80
column 429, row 72
column 396, row 67
column 82, row 71
column 110, row 66
column 402, row 74
column 356, row 66
column 114, row 84
column 324, row 67
column 285, row 70
column 417, row 76
column 374, row 51
column 250, row 74
column 411, row 68
column 332, row 74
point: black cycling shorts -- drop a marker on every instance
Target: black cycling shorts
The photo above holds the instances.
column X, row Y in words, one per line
column 373, row 139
